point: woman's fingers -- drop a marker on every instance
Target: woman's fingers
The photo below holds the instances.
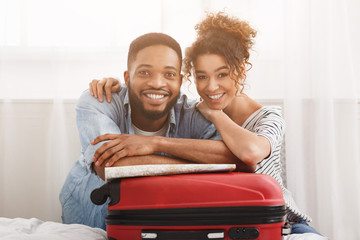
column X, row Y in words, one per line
column 108, row 88
column 93, row 87
column 100, row 90
column 109, row 85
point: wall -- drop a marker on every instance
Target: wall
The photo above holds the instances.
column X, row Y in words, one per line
column 40, row 147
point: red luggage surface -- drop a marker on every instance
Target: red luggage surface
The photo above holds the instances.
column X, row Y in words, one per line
column 194, row 206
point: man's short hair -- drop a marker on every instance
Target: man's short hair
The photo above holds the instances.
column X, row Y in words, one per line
column 151, row 39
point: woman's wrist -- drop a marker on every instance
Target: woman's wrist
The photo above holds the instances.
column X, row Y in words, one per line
column 213, row 115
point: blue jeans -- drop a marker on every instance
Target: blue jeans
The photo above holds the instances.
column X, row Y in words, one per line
column 302, row 227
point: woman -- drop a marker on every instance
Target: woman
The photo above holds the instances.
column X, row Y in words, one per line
column 217, row 60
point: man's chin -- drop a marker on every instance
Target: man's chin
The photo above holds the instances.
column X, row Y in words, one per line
column 155, row 114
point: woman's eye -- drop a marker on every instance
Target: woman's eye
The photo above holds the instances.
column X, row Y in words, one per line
column 201, row 77
column 222, row 75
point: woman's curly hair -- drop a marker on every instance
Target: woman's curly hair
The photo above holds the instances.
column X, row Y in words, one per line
column 225, row 36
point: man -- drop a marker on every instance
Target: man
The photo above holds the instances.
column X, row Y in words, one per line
column 116, row 133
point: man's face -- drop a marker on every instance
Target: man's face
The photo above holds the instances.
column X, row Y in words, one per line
column 154, row 81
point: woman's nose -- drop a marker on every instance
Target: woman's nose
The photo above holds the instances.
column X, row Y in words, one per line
column 212, row 85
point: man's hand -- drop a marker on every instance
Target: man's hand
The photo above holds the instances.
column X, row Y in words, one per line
column 109, row 85
column 120, row 146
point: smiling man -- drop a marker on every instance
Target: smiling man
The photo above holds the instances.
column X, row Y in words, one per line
column 153, row 88
column 117, row 133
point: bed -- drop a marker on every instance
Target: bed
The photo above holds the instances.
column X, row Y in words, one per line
column 35, row 229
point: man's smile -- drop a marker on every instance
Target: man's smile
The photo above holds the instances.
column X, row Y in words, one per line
column 156, row 97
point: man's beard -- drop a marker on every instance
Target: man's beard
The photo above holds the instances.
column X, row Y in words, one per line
column 136, row 103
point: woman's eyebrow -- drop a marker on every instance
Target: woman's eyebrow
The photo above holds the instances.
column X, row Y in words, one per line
column 221, row 68
column 216, row 70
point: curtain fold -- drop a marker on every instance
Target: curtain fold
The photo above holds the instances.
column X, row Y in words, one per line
column 321, row 111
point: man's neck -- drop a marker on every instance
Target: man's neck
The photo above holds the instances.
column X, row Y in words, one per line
column 146, row 124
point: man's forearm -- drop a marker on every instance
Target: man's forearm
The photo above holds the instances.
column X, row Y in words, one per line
column 201, row 151
column 139, row 160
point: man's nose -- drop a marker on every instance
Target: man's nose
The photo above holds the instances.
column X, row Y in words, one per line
column 157, row 81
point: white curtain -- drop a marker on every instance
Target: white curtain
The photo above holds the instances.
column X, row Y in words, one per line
column 322, row 113
column 306, row 58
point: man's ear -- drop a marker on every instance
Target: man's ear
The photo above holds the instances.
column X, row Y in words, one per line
column 127, row 78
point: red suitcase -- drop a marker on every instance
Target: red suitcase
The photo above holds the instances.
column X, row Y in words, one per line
column 194, row 206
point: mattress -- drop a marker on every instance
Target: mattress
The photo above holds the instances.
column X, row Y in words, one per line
column 35, row 229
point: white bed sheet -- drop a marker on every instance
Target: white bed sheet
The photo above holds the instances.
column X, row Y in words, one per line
column 305, row 236
column 35, row 229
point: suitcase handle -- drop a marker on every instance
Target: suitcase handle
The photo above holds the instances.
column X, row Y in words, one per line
column 200, row 235
column 108, row 190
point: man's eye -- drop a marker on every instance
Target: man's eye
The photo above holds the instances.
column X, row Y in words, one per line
column 145, row 73
column 170, row 74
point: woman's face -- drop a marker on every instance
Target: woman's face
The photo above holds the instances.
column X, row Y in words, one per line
column 213, row 82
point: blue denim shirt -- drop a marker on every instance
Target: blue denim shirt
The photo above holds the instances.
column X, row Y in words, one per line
column 95, row 119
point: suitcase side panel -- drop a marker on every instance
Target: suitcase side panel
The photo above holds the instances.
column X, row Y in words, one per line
column 198, row 190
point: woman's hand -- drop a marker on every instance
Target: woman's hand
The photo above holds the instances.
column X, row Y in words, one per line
column 109, row 85
column 207, row 112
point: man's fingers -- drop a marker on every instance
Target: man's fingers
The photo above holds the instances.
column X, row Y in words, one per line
column 105, row 151
column 116, row 157
column 111, row 155
column 103, row 138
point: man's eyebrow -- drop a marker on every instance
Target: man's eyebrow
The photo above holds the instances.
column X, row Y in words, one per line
column 150, row 66
column 144, row 65
column 171, row 67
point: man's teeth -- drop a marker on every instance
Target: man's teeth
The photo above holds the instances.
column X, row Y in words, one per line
column 155, row 96
column 215, row 97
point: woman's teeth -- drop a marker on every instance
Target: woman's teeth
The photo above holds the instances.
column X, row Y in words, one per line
column 215, row 97
column 155, row 96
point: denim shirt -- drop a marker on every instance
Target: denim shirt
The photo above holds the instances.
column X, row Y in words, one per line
column 95, row 119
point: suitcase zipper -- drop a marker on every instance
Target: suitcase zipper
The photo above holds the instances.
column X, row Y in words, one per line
column 198, row 216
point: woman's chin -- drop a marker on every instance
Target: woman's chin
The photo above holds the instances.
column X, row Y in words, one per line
column 216, row 106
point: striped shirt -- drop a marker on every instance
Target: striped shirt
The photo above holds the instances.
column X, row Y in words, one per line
column 268, row 122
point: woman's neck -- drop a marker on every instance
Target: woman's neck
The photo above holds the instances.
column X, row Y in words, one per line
column 241, row 108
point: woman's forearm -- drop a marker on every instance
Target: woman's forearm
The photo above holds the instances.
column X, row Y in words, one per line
column 245, row 145
column 201, row 151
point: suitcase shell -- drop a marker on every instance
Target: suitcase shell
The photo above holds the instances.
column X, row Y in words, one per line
column 194, row 206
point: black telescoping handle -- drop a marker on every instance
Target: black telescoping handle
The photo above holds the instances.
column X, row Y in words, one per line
column 199, row 235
